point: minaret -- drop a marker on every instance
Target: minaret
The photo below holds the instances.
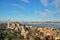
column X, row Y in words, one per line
column 8, row 24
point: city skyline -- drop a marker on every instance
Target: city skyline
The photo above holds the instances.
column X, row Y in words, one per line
column 30, row 10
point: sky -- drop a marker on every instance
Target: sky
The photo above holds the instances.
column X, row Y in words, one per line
column 30, row 10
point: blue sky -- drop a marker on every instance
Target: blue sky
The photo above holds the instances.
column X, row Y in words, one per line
column 30, row 10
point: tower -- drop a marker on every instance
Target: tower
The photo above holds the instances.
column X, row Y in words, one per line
column 8, row 24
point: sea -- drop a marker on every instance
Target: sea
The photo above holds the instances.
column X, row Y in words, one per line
column 50, row 25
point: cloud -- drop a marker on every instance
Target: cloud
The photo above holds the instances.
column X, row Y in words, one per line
column 57, row 5
column 44, row 13
column 44, row 2
column 14, row 11
column 19, row 6
column 37, row 12
column 26, row 1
